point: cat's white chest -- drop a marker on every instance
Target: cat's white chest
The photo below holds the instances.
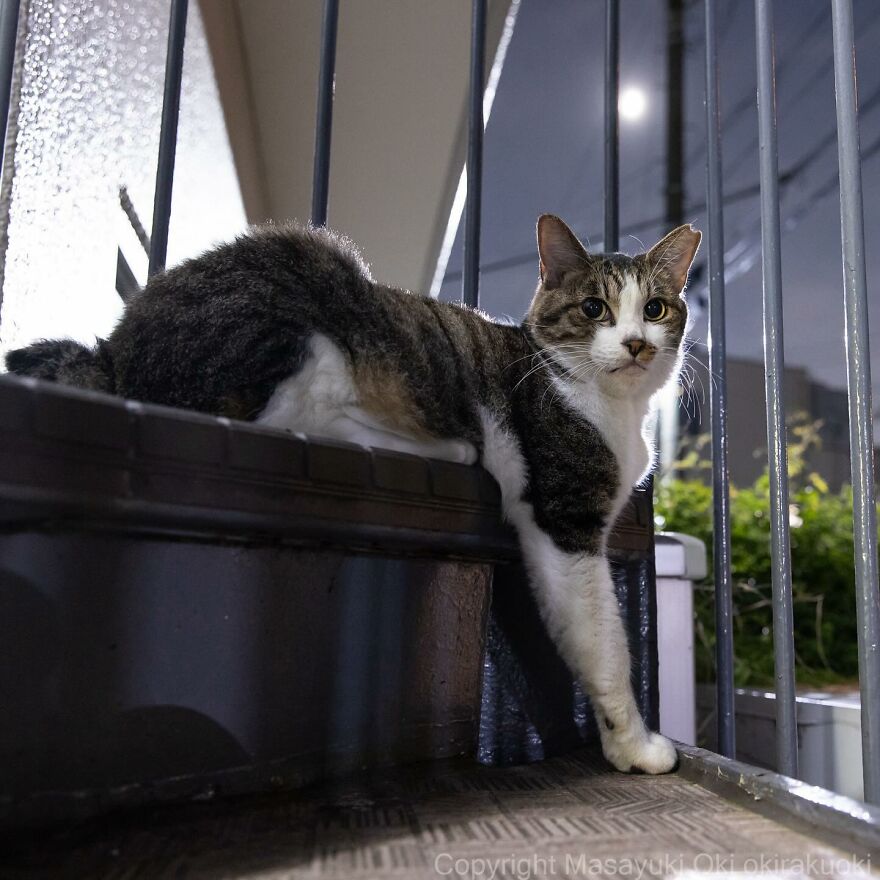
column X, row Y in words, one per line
column 623, row 434
column 620, row 421
column 633, row 457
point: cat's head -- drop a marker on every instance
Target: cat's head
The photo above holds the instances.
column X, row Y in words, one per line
column 609, row 319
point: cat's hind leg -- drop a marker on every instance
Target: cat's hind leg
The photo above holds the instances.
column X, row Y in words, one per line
column 358, row 426
column 321, row 399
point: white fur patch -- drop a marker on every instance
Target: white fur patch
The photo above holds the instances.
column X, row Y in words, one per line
column 315, row 395
column 321, row 399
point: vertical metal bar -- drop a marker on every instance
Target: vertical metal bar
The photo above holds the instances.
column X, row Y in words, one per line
column 783, row 630
column 168, row 137
column 718, row 400
column 612, row 126
column 324, row 126
column 470, row 292
column 8, row 33
column 675, row 128
column 861, row 434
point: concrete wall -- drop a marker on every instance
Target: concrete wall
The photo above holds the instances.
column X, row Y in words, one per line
column 398, row 136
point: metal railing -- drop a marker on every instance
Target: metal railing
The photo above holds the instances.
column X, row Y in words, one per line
column 168, row 136
column 859, row 391
column 724, row 708
column 324, row 124
column 858, row 376
column 854, row 295
column 611, row 193
column 771, row 264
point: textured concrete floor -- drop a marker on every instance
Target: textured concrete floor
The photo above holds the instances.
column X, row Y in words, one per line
column 568, row 817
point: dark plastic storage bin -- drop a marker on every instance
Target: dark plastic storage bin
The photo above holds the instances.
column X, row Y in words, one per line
column 191, row 606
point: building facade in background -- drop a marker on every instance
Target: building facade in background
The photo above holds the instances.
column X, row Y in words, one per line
column 806, row 400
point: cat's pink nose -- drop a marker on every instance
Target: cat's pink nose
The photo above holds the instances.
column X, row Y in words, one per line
column 634, row 346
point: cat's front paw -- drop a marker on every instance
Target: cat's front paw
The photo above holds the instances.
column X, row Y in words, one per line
column 647, row 753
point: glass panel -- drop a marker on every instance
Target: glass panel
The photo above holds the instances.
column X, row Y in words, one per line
column 88, row 122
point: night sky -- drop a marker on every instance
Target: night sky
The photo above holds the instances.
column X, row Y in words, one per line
column 543, row 153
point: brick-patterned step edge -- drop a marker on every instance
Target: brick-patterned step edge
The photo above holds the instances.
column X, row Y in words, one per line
column 72, row 458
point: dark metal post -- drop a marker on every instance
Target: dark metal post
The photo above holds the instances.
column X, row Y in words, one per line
column 861, row 434
column 324, row 126
column 674, row 113
column 718, row 400
column 168, row 137
column 470, row 293
column 8, row 33
column 612, row 125
column 783, row 629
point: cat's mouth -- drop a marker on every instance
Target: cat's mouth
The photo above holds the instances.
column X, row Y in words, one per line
column 633, row 366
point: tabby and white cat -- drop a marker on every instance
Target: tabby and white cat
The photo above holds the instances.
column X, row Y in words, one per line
column 286, row 327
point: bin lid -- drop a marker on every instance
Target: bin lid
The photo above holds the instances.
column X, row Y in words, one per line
column 680, row 556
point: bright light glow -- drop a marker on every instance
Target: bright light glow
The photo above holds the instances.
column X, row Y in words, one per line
column 632, row 104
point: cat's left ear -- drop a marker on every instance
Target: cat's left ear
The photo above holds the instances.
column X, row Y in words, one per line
column 675, row 253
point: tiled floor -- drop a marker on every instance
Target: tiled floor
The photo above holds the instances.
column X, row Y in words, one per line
column 567, row 817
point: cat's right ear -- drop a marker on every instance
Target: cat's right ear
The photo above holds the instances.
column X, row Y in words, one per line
column 559, row 250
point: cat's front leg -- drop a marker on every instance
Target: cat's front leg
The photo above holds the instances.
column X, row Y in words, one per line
column 579, row 606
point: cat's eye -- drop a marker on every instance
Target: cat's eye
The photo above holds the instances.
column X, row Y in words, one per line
column 655, row 309
column 595, row 308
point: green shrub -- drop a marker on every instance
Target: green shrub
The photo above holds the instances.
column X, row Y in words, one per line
column 823, row 581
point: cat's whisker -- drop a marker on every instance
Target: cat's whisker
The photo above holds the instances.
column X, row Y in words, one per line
column 697, row 403
column 696, row 377
column 694, row 362
column 526, row 357
column 687, row 380
column 545, row 356
column 689, row 400
column 530, row 372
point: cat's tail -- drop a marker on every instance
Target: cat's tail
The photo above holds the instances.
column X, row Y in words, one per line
column 65, row 361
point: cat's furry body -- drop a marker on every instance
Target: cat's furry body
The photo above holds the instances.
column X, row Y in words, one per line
column 285, row 326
